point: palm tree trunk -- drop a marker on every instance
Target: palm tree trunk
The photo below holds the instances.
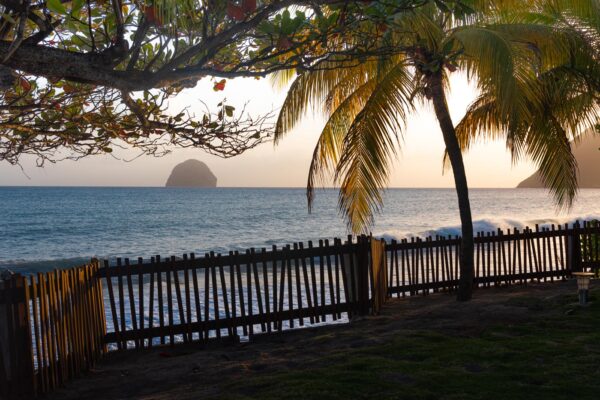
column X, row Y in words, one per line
column 465, row 285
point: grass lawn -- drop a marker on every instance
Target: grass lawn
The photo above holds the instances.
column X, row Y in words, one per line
column 556, row 356
column 509, row 343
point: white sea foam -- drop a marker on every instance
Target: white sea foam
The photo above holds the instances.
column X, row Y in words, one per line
column 485, row 225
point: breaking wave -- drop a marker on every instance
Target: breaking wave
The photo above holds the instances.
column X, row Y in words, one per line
column 488, row 225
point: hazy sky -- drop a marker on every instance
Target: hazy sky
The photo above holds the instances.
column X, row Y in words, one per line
column 419, row 164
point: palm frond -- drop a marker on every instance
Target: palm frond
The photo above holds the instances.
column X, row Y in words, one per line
column 549, row 147
column 330, row 144
column 587, row 11
column 370, row 145
column 280, row 79
column 544, row 137
column 308, row 89
column 499, row 67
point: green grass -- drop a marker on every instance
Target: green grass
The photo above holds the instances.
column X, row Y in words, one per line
column 556, row 356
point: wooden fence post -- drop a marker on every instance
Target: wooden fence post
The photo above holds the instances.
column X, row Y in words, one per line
column 4, row 328
column 378, row 267
column 574, row 250
column 15, row 339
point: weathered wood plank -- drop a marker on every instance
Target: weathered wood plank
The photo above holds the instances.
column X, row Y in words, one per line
column 132, row 311
column 307, row 288
column 265, row 270
column 188, row 299
column 253, row 257
column 140, row 284
column 182, row 319
column 195, row 285
column 215, row 293
column 211, row 325
column 298, row 282
column 161, row 307
column 151, row 302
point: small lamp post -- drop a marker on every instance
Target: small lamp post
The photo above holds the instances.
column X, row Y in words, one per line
column 583, row 285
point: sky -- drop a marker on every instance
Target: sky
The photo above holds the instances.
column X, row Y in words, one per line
column 419, row 163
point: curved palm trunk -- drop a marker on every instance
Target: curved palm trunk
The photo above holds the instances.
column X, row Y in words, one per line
column 465, row 286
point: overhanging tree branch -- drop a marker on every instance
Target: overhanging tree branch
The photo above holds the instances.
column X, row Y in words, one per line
column 83, row 77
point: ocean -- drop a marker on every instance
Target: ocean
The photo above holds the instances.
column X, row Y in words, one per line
column 42, row 228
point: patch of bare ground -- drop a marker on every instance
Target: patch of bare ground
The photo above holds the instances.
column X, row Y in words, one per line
column 253, row 370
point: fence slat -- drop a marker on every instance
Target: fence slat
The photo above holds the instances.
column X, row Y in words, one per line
column 25, row 330
column 266, row 286
column 225, row 297
column 233, row 293
column 132, row 315
column 313, row 278
column 216, row 307
column 322, row 281
column 178, row 296
column 344, row 267
column 307, row 288
column 141, row 296
column 161, row 311
column 249, row 300
column 281, row 291
column 151, row 302
column 298, row 282
column 274, row 282
column 290, row 290
column 188, row 298
column 336, row 260
column 241, row 293
column 48, row 330
column 170, row 314
column 198, row 308
column 332, row 299
column 39, row 351
column 257, row 287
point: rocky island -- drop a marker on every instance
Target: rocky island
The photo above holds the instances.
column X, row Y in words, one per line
column 587, row 154
column 191, row 173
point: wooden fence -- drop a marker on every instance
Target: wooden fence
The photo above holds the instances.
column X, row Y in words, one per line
column 236, row 295
column 420, row 266
column 59, row 324
column 52, row 328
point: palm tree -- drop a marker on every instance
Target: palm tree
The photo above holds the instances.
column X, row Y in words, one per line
column 513, row 54
column 567, row 105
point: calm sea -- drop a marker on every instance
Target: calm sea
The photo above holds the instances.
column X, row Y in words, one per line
column 42, row 228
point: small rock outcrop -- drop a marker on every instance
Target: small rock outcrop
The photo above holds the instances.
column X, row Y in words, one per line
column 587, row 154
column 191, row 173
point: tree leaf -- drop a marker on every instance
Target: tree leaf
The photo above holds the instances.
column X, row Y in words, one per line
column 76, row 6
column 56, row 6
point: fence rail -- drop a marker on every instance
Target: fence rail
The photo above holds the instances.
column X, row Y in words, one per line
column 199, row 298
column 56, row 325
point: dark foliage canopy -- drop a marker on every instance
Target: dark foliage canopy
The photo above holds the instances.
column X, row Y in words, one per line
column 80, row 77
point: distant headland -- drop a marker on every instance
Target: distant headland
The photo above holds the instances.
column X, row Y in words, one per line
column 191, row 173
column 587, row 154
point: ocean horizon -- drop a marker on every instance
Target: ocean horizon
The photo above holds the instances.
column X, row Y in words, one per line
column 47, row 227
